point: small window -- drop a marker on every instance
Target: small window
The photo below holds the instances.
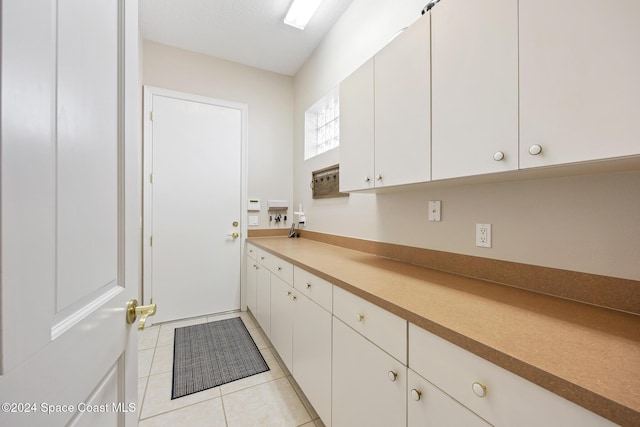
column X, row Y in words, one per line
column 322, row 125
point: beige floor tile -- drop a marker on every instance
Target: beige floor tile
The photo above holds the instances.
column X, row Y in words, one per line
column 303, row 398
column 311, row 424
column 162, row 360
column 145, row 357
column 271, row 404
column 165, row 336
column 148, row 337
column 157, row 398
column 258, row 338
column 142, row 387
column 207, row 413
column 274, row 373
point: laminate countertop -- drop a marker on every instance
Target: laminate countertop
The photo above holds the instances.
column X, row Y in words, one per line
column 587, row 354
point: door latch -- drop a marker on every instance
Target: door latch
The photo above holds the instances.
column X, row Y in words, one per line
column 134, row 310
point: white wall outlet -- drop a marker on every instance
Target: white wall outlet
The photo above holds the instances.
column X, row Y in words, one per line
column 434, row 210
column 483, row 235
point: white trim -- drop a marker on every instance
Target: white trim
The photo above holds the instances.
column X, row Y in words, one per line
column 70, row 321
column 149, row 92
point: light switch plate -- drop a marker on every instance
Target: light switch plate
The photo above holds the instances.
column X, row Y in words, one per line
column 434, row 210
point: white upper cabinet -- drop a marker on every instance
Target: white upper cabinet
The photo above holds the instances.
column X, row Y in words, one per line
column 579, row 81
column 385, row 115
column 356, row 129
column 402, row 108
column 474, row 87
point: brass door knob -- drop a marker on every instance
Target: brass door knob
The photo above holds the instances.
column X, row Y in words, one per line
column 134, row 310
column 234, row 235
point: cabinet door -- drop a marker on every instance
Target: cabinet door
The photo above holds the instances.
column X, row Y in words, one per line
column 579, row 85
column 402, row 108
column 252, row 279
column 362, row 392
column 428, row 406
column 474, row 68
column 282, row 319
column 356, row 129
column 312, row 354
column 263, row 299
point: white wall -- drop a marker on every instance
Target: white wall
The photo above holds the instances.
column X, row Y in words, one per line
column 270, row 100
column 581, row 223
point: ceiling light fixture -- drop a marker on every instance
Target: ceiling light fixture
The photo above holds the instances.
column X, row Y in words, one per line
column 300, row 13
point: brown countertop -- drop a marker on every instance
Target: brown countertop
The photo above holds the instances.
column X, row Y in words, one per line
column 587, row 354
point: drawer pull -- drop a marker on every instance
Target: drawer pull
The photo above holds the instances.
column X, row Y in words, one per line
column 279, row 268
column 308, row 285
column 479, row 389
column 359, row 317
column 393, row 375
column 416, row 394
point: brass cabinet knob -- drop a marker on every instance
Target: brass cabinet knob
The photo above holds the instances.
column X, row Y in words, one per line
column 308, row 285
column 134, row 310
column 498, row 156
column 416, row 394
column 479, row 389
column 359, row 317
column 393, row 375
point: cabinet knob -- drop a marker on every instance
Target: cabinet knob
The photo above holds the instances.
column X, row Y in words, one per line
column 498, row 156
column 288, row 293
column 367, row 179
column 378, row 177
column 262, row 258
column 294, row 297
column 416, row 394
column 393, row 375
column 308, row 285
column 479, row 389
column 535, row 149
column 279, row 268
column 359, row 317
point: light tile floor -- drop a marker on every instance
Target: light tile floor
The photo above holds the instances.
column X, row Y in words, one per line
column 269, row 399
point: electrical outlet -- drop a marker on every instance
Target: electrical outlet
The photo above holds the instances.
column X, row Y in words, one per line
column 483, row 235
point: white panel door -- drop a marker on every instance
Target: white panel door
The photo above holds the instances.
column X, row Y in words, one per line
column 195, row 196
column 70, row 209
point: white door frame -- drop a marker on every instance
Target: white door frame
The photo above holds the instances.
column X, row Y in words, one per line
column 149, row 92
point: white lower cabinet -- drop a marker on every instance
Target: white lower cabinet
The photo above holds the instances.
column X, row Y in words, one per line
column 282, row 319
column 429, row 406
column 497, row 395
column 312, row 354
column 369, row 387
column 252, row 282
column 263, row 299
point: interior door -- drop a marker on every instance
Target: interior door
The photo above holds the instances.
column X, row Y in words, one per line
column 70, row 216
column 194, row 146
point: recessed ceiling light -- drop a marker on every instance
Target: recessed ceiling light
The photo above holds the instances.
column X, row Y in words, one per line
column 300, row 12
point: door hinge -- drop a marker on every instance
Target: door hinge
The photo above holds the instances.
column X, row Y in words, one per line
column 151, row 115
column 151, row 241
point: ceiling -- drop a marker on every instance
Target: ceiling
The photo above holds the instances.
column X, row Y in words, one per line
column 250, row 32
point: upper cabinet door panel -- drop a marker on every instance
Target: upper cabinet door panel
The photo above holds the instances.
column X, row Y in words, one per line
column 402, row 107
column 356, row 129
column 579, row 84
column 474, row 70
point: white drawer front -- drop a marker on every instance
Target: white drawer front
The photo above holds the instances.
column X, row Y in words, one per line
column 252, row 251
column 318, row 290
column 427, row 405
column 277, row 266
column 383, row 328
column 509, row 400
